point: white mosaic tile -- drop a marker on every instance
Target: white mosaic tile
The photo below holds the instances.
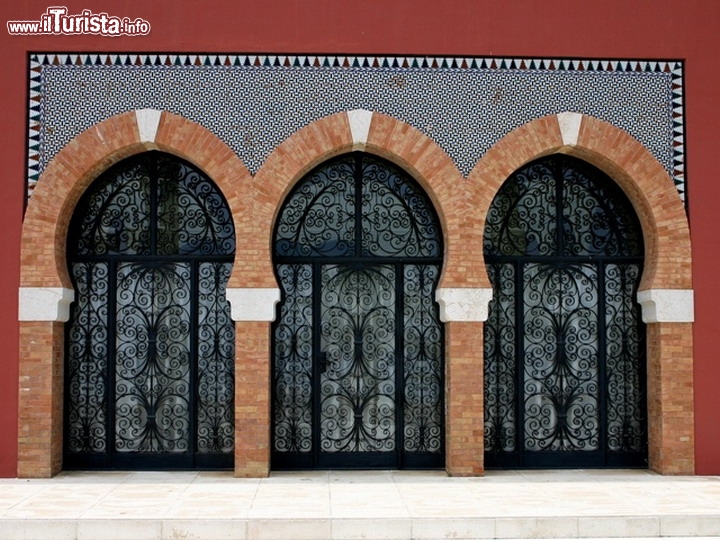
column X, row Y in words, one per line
column 254, row 102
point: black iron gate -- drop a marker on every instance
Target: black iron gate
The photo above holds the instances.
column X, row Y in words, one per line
column 150, row 343
column 357, row 345
column 564, row 343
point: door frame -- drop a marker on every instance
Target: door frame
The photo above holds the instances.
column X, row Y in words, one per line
column 300, row 254
column 550, row 255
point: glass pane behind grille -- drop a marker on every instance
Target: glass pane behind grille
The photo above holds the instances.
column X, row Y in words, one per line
column 564, row 343
column 357, row 343
column 150, row 343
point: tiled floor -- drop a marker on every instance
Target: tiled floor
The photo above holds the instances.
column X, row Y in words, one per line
column 394, row 505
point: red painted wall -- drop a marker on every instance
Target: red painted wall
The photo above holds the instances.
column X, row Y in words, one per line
column 528, row 28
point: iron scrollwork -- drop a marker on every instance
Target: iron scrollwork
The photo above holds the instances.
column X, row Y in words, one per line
column 86, row 360
column 293, row 356
column 564, row 360
column 357, row 387
column 422, row 356
column 150, row 348
column 216, row 359
column 357, row 345
column 560, row 357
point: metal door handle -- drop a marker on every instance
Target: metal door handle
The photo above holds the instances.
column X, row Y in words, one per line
column 323, row 362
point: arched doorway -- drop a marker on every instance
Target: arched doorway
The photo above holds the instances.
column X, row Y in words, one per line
column 150, row 344
column 564, row 342
column 357, row 377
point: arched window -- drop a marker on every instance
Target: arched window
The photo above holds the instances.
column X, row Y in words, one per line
column 564, row 343
column 357, row 345
column 150, row 343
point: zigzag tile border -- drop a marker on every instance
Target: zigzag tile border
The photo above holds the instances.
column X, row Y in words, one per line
column 463, row 103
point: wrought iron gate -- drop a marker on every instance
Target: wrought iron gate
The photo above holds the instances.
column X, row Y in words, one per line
column 150, row 343
column 357, row 345
column 564, row 343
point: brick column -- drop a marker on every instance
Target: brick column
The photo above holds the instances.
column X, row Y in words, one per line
column 464, row 441
column 252, row 399
column 671, row 434
column 464, row 311
column 43, row 312
column 40, row 426
column 253, row 310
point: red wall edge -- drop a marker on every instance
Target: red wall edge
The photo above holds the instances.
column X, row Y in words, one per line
column 523, row 28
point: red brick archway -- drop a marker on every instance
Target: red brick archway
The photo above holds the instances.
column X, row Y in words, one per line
column 666, row 286
column 463, row 275
column 463, row 291
column 45, row 286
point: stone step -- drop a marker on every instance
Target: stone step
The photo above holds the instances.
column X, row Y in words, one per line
column 360, row 505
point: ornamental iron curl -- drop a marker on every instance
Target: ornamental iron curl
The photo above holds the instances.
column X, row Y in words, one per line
column 150, row 346
column 564, row 342
column 357, row 344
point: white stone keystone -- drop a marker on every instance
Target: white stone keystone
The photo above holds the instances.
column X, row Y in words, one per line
column 359, row 127
column 569, row 127
column 148, row 121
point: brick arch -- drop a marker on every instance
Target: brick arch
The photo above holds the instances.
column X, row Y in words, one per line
column 256, row 284
column 95, row 150
column 666, row 285
column 623, row 158
column 339, row 133
column 45, row 285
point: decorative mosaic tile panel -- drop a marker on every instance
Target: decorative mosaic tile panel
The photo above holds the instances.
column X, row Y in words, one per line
column 253, row 103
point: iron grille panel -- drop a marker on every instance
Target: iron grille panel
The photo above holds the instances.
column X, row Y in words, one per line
column 627, row 413
column 87, row 357
column 500, row 365
column 560, row 361
column 422, row 340
column 152, row 204
column 357, row 206
column 564, row 343
column 293, row 361
column 152, row 358
column 150, row 346
column 216, row 359
column 357, row 341
column 357, row 345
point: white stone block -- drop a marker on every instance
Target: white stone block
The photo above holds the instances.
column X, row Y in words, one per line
column 570, row 127
column 667, row 305
column 618, row 526
column 44, row 303
column 256, row 304
column 205, row 529
column 463, row 304
column 119, row 529
column 300, row 529
column 148, row 121
column 536, row 527
column 359, row 127
column 375, row 529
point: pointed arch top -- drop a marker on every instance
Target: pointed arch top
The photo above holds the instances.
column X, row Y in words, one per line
column 43, row 259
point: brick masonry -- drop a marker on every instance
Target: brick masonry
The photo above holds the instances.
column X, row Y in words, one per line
column 461, row 204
